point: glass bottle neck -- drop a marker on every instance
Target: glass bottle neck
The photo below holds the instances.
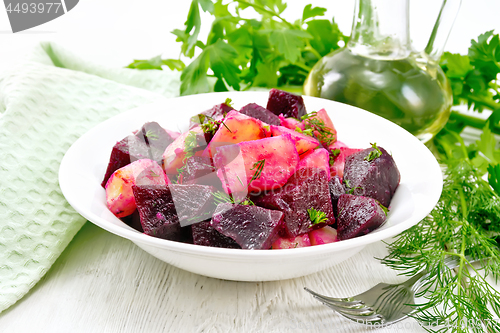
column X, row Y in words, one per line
column 380, row 29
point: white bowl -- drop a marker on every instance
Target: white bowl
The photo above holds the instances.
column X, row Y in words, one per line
column 84, row 164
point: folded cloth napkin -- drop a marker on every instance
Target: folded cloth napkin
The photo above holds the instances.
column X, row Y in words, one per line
column 46, row 103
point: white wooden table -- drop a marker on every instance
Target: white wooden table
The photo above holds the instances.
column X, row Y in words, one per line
column 103, row 283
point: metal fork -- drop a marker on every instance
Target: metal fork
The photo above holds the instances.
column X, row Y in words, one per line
column 384, row 303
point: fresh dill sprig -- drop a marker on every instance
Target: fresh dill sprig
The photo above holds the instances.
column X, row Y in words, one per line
column 221, row 197
column 316, row 216
column 464, row 223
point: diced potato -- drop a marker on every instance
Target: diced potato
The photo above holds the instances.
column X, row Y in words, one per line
column 303, row 142
column 291, row 243
column 290, row 123
column 324, row 235
column 257, row 165
column 236, row 128
column 173, row 157
column 337, row 169
column 173, row 134
column 337, row 145
column 317, row 158
column 119, row 194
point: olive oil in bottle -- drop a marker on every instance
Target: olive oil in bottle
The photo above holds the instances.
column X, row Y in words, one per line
column 378, row 70
column 399, row 90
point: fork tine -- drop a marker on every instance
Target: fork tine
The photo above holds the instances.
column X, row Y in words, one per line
column 369, row 317
column 349, row 303
column 364, row 311
column 376, row 318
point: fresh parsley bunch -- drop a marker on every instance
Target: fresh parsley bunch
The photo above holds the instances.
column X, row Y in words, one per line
column 242, row 51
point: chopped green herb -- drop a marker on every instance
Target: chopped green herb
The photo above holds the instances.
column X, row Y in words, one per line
column 221, row 197
column 210, row 126
column 229, row 102
column 317, row 216
column 309, row 115
column 226, row 127
column 385, row 209
column 308, row 131
column 259, row 165
column 351, row 191
column 199, row 118
column 153, row 174
column 374, row 154
column 333, row 155
column 190, row 143
column 240, row 180
column 151, row 135
column 316, row 127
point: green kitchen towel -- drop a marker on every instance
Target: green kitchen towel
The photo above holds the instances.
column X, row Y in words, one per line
column 46, row 103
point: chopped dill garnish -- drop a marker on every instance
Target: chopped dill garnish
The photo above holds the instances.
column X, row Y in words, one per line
column 317, row 127
column 151, row 135
column 221, row 197
column 259, row 165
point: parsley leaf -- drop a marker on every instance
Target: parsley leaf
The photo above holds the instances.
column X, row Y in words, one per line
column 317, row 216
column 374, row 154
column 310, row 11
column 289, row 42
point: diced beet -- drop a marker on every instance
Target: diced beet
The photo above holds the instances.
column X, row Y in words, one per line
column 307, row 188
column 288, row 104
column 133, row 221
column 205, row 234
column 337, row 188
column 157, row 211
column 251, row 227
column 157, row 139
column 258, row 112
column 149, row 142
column 126, row 151
column 358, row 215
column 337, row 169
column 200, row 170
column 193, row 203
column 377, row 179
column 217, row 112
